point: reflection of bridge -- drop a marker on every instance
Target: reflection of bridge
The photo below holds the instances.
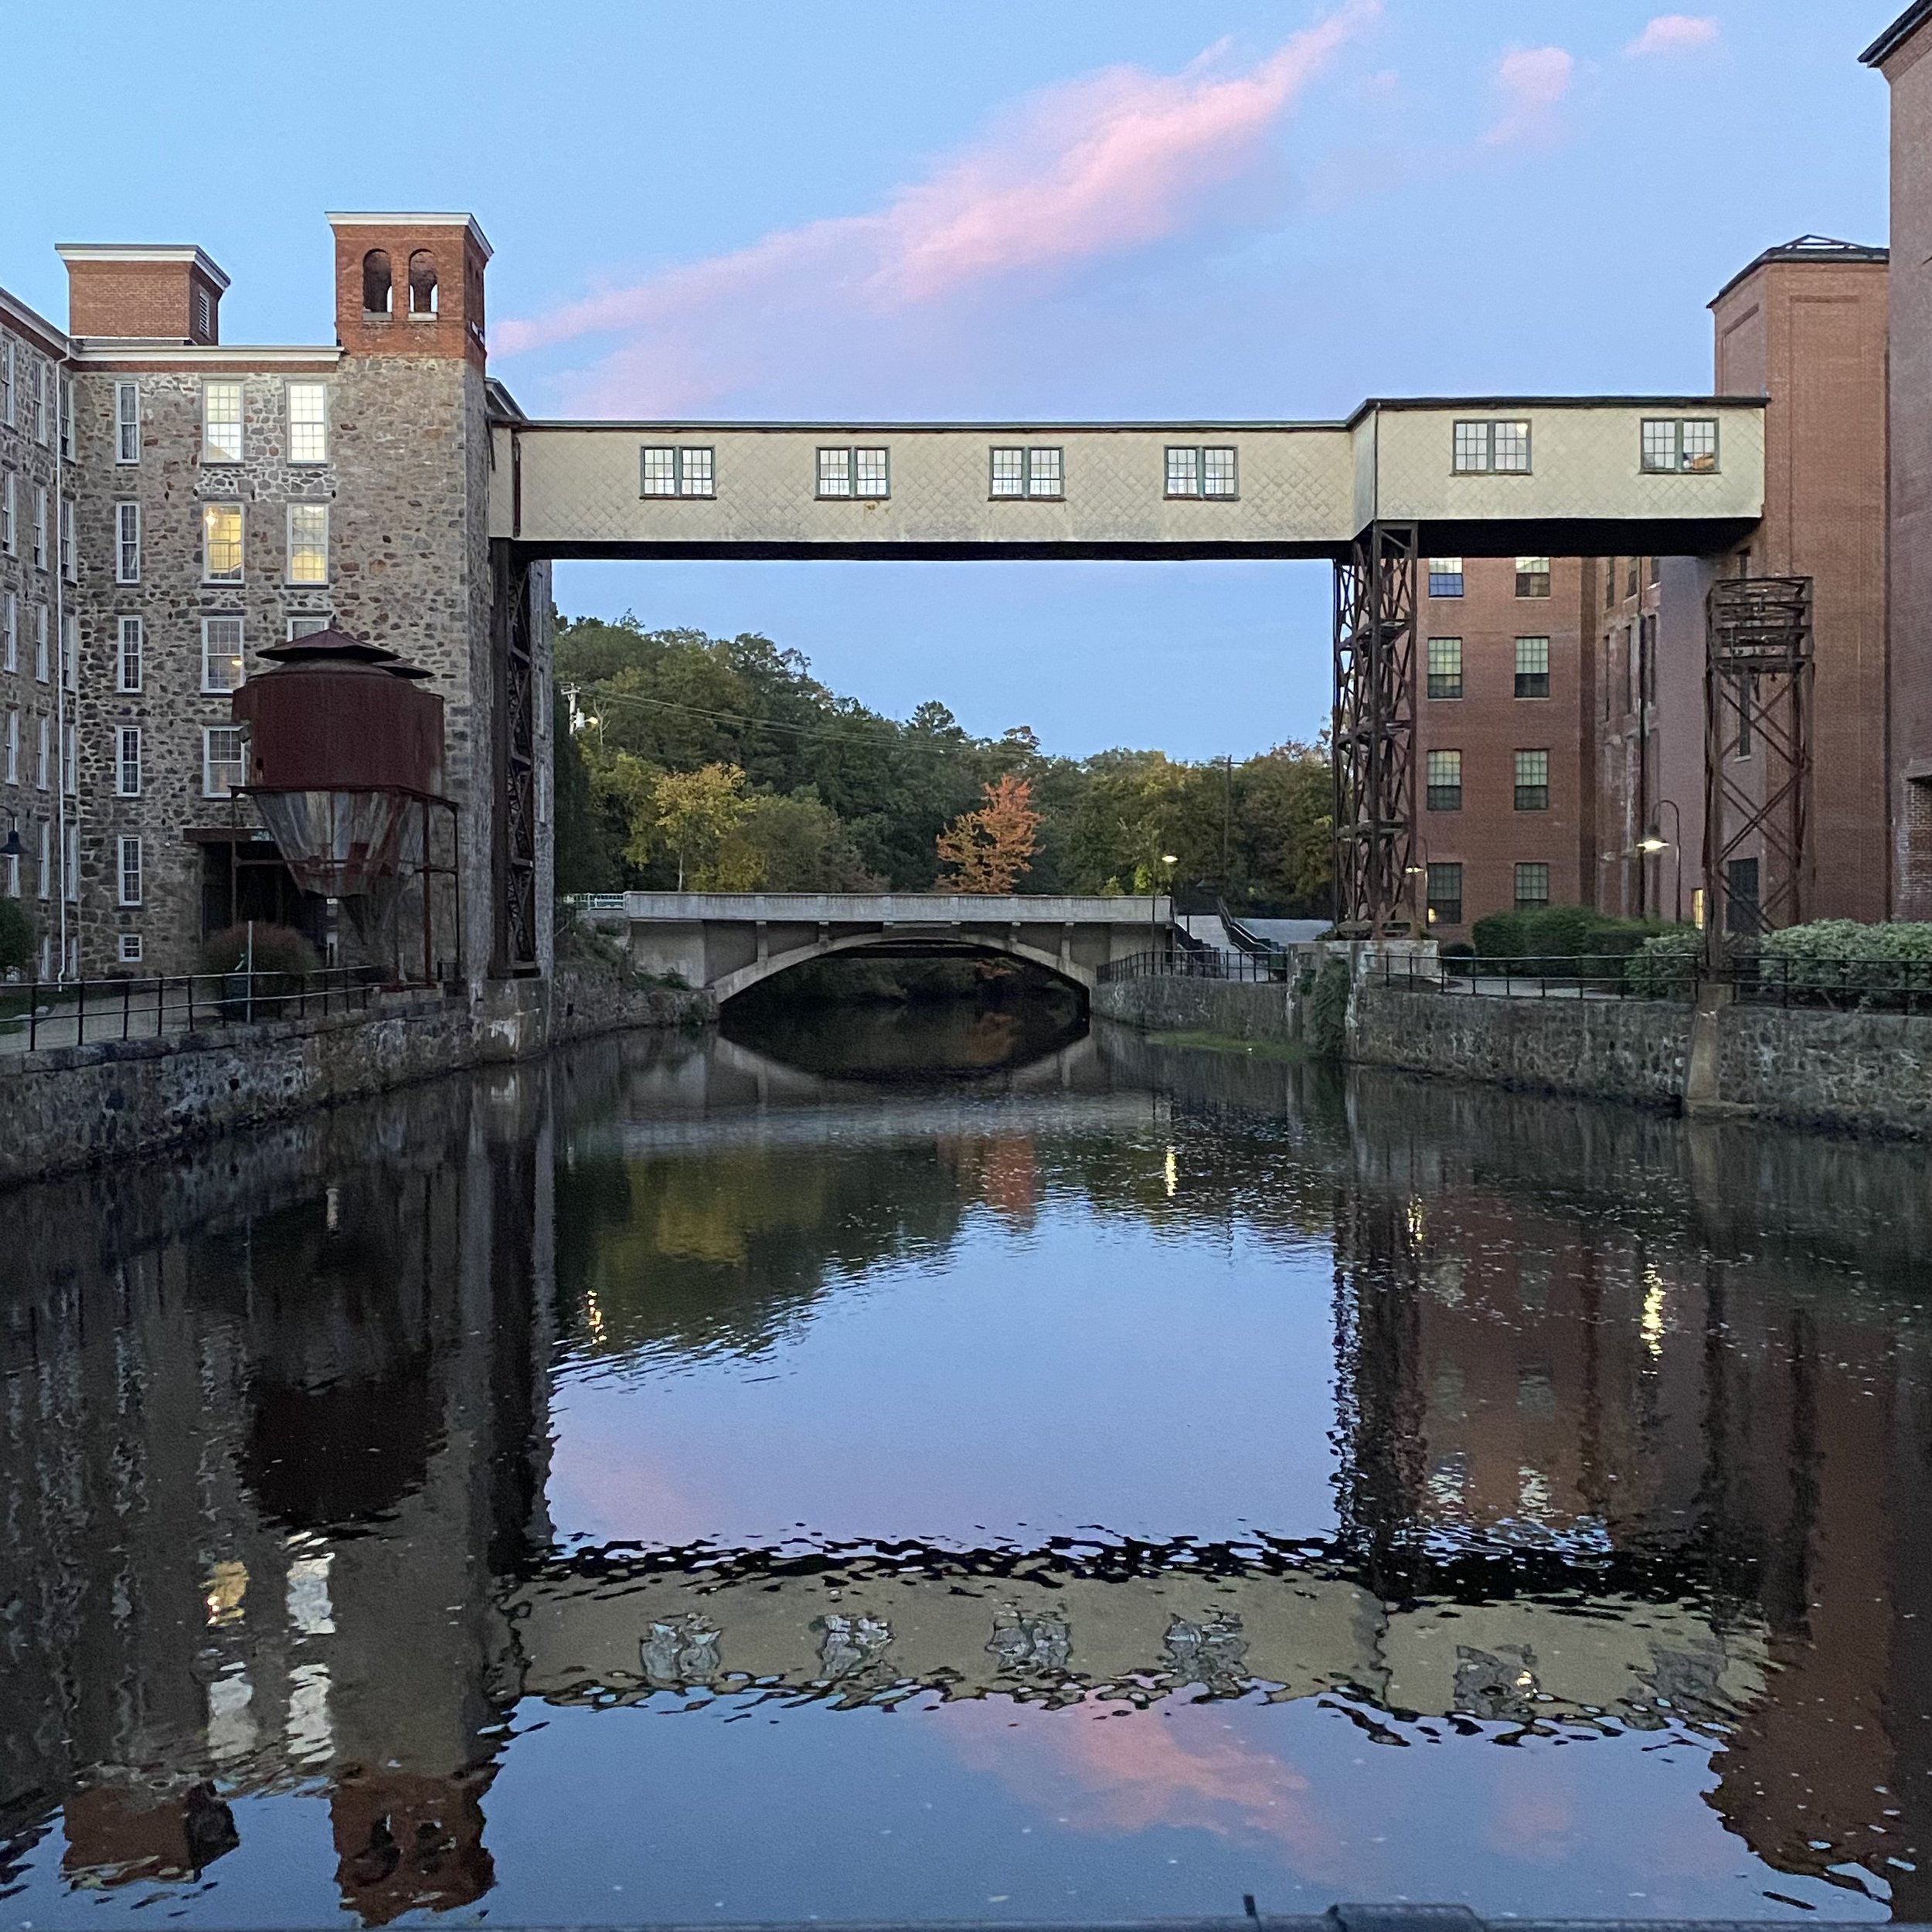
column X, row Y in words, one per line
column 729, row 941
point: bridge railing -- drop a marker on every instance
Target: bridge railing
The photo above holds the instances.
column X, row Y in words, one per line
column 1205, row 962
column 1541, row 975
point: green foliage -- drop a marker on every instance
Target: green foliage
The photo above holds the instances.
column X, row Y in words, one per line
column 1327, row 1032
column 1846, row 939
column 278, row 949
column 585, row 860
column 1664, row 967
column 654, row 703
column 1557, row 932
column 801, row 846
column 16, row 936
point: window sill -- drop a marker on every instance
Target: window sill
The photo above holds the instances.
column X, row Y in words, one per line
column 1061, row 499
column 1485, row 476
column 414, row 316
column 707, row 496
column 1194, row 496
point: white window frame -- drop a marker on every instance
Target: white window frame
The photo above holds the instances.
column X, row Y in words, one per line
column 13, row 766
column 7, row 384
column 42, row 650
column 208, row 573
column 223, row 386
column 130, row 650
column 127, row 543
column 45, row 887
column 40, row 435
column 239, row 764
column 9, row 537
column 70, row 880
column 126, row 423
column 320, row 426
column 208, row 684
column 70, row 652
column 70, row 760
column 70, row 568
column 672, row 471
column 306, row 510
column 305, row 624
column 10, row 631
column 40, row 526
column 65, row 394
column 43, row 752
column 129, row 953
column 126, row 761
column 852, row 475
column 127, row 869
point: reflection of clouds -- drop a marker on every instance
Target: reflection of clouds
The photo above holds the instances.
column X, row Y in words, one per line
column 604, row 1485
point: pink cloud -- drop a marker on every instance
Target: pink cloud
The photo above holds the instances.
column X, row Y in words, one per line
column 1675, row 33
column 1532, row 80
column 1099, row 166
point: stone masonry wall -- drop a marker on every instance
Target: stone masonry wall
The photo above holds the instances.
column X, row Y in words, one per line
column 1239, row 1012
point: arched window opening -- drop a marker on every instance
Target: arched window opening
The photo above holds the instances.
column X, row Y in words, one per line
column 422, row 282
column 376, row 282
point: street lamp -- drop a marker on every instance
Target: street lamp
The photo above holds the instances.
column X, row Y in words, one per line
column 11, row 849
column 1654, row 842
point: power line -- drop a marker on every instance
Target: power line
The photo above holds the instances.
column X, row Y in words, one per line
column 605, row 696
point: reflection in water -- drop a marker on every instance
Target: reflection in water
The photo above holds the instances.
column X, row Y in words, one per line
column 527, row 1490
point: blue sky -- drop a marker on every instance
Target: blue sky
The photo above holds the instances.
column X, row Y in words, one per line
column 951, row 208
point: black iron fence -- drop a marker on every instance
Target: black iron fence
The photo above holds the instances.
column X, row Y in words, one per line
column 78, row 1012
column 1845, row 985
column 1542, row 975
column 1196, row 962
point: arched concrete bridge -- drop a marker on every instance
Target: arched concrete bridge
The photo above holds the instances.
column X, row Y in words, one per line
column 729, row 942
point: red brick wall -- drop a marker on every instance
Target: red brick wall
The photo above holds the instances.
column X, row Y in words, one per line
column 139, row 300
column 454, row 332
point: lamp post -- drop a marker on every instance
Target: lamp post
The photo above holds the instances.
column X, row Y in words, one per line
column 1654, row 841
column 1170, row 860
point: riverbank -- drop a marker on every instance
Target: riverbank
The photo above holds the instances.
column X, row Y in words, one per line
column 71, row 1108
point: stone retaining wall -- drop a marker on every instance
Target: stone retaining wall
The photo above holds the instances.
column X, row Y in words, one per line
column 1251, row 1010
column 76, row 1106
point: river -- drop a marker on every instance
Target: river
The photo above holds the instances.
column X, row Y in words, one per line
column 1050, row 1476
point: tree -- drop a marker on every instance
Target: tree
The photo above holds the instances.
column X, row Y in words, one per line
column 691, row 814
column 800, row 846
column 16, row 936
column 584, row 861
column 987, row 849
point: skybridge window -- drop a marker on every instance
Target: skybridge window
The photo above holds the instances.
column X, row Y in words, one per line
column 1019, row 472
column 1209, row 471
column 1680, row 446
column 1498, row 446
column 678, row 470
column 858, row 472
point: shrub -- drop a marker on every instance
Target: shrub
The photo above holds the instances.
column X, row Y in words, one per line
column 1552, row 935
column 1664, row 966
column 1327, row 1032
column 16, row 936
column 1833, row 954
column 278, row 949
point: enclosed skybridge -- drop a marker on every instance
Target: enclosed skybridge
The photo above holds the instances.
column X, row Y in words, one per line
column 1482, row 476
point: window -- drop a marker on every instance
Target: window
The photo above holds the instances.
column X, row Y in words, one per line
column 1533, row 887
column 224, row 760
column 127, row 422
column 1445, row 667
column 1532, row 781
column 221, row 536
column 130, row 953
column 43, row 752
column 1533, row 667
column 70, row 760
column 130, row 871
column 67, row 419
column 40, row 403
column 423, row 284
column 1445, row 577
column 13, row 750
column 67, row 569
column 1610, row 583
column 1685, row 446
column 1498, row 446
column 376, row 282
column 1657, row 569
column 308, row 422
column 46, row 876
column 308, row 624
column 309, row 543
column 1022, row 472
column 221, row 422
column 40, row 663
column 1444, row 775
column 8, row 541
column 1445, row 894
column 1742, row 912
column 9, row 632
column 70, row 872
column 1209, row 471
column 1635, row 578
column 204, row 315
column 221, row 653
column 70, row 652
column 1532, row 576
column 854, row 472
column 127, row 543
column 40, row 526
column 127, row 761
column 127, row 659
column 1646, row 657
column 6, row 386
column 675, row 469
column 1746, row 690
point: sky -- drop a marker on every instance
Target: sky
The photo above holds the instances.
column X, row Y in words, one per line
column 1118, row 209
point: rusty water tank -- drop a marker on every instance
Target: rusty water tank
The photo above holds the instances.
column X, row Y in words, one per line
column 343, row 743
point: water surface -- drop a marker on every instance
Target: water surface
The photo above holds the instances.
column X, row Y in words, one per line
column 671, row 1484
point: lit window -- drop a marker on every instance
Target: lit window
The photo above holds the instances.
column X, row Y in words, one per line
column 1532, row 781
column 309, row 543
column 127, row 543
column 1498, row 446
column 1444, row 775
column 1021, row 472
column 128, row 677
column 1685, row 446
column 224, row 760
column 221, row 536
column 130, row 871
column 1445, row 577
column 678, row 470
column 221, row 653
column 1445, row 894
column 130, row 949
column 1533, row 887
column 308, row 422
column 1533, row 667
column 1532, row 576
column 854, row 472
column 1445, row 667
column 221, row 422
column 1209, row 471
column 127, row 422
column 128, row 762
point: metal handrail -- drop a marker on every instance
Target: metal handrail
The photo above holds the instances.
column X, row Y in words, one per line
column 1541, row 975
column 97, row 1010
column 1196, row 961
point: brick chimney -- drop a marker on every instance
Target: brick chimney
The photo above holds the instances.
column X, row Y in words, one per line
column 410, row 284
column 142, row 292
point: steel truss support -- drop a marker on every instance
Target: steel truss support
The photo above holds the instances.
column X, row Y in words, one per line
column 1374, row 737
column 1757, row 753
column 513, row 855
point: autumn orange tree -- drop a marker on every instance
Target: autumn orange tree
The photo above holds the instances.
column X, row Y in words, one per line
column 985, row 850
